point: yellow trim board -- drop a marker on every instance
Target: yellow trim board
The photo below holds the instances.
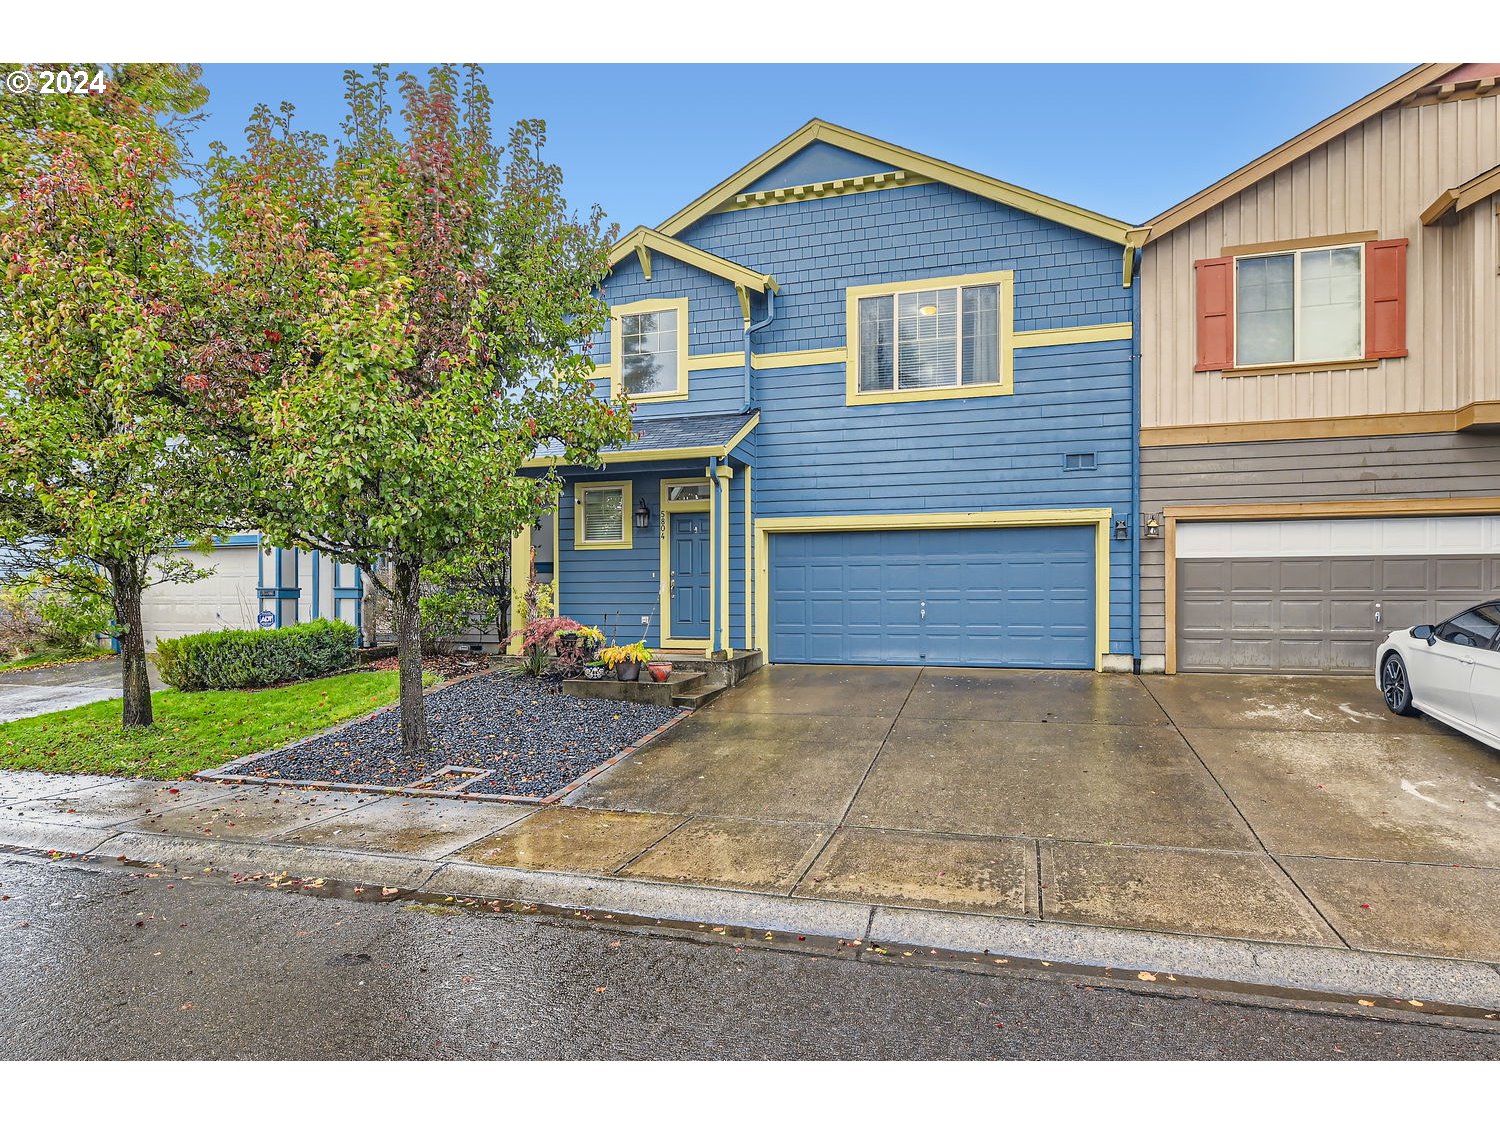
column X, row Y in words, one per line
column 520, row 564
column 1021, row 517
column 986, row 187
column 812, row 357
column 749, row 563
column 725, row 477
column 1003, row 279
column 1086, row 334
column 849, row 185
column 642, row 240
column 678, row 305
column 627, row 501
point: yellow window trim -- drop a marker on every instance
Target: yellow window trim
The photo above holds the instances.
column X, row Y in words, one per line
column 627, row 503
column 1025, row 517
column 1005, row 279
column 679, row 305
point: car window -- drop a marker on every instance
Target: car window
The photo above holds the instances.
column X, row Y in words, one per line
column 1474, row 628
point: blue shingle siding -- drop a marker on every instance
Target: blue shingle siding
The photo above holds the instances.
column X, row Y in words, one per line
column 814, row 454
column 818, row 163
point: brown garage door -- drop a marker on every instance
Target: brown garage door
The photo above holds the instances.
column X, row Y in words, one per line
column 1315, row 614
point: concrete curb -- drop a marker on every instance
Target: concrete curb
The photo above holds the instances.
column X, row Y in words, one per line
column 1335, row 974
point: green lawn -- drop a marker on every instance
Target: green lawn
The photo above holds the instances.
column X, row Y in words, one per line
column 48, row 657
column 193, row 730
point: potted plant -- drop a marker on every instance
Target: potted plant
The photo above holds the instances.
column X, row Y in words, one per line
column 660, row 670
column 626, row 660
column 594, row 670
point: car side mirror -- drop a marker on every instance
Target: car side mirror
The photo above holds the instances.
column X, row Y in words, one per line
column 1431, row 639
column 1423, row 633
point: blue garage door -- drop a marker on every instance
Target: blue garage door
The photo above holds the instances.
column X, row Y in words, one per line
column 991, row 597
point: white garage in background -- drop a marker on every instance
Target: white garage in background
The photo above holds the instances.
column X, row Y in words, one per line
column 1317, row 595
column 224, row 600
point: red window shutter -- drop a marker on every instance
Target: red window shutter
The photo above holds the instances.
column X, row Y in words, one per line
column 1385, row 298
column 1215, row 313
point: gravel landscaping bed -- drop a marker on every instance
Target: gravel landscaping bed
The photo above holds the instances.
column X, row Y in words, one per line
column 534, row 739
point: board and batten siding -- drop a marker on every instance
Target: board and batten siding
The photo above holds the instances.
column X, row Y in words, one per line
column 1398, row 467
column 1377, row 177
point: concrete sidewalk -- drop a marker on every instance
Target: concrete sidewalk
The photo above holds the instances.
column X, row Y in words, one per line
column 40, row 691
column 443, row 847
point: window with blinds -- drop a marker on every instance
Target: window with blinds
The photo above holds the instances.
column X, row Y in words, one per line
column 603, row 515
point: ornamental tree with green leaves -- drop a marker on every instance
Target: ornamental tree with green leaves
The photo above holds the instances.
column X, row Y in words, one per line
column 404, row 318
column 102, row 464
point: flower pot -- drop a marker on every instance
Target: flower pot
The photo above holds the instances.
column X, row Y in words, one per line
column 660, row 670
column 594, row 671
column 629, row 671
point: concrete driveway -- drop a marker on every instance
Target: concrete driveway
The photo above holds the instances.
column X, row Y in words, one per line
column 1268, row 808
column 36, row 691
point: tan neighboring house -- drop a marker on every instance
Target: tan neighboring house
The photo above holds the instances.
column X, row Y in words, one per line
column 1320, row 416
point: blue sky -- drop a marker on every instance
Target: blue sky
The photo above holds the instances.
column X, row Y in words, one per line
column 1128, row 141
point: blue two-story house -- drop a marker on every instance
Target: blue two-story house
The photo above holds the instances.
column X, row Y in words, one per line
column 884, row 415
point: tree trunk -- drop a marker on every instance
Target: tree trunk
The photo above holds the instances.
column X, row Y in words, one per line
column 125, row 587
column 407, row 587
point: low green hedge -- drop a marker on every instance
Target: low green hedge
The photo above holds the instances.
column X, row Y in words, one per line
column 251, row 658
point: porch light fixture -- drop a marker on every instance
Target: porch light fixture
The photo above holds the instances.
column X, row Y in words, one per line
column 1153, row 527
column 642, row 513
column 1122, row 529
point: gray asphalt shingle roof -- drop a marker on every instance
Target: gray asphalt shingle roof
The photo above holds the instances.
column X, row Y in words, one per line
column 683, row 432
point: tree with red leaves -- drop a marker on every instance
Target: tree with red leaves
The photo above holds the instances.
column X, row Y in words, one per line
column 102, row 315
column 403, row 319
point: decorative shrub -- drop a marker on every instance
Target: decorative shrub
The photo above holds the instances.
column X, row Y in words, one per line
column 539, row 641
column 250, row 658
column 36, row 613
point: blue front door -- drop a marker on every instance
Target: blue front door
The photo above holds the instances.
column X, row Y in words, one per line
column 690, row 577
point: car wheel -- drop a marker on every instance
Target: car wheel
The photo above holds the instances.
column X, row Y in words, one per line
column 1396, row 686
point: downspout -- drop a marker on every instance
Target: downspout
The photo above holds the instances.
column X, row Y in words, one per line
column 750, row 328
column 1135, row 472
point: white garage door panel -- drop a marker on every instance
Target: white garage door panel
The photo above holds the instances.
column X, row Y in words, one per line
column 224, row 600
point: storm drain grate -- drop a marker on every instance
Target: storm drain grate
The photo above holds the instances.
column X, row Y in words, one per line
column 451, row 779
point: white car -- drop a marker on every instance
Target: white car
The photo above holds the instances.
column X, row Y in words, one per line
column 1449, row 671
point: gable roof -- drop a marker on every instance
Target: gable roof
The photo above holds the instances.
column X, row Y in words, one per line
column 643, row 240
column 1391, row 94
column 1464, row 196
column 981, row 185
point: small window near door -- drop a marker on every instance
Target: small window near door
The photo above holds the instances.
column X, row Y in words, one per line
column 687, row 492
column 603, row 516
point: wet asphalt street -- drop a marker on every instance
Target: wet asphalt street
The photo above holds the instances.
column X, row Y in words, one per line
column 113, row 964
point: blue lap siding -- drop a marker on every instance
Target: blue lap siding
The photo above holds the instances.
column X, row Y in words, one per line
column 814, row 454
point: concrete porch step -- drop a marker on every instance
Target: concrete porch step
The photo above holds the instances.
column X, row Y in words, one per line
column 699, row 696
column 644, row 690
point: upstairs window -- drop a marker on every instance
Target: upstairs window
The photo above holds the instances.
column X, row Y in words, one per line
column 650, row 345
column 1304, row 306
column 922, row 340
column 1311, row 307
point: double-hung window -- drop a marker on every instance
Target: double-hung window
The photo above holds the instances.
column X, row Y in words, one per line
column 1301, row 306
column 650, row 346
column 602, row 516
column 938, row 338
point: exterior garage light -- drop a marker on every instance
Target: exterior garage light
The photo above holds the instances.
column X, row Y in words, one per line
column 642, row 514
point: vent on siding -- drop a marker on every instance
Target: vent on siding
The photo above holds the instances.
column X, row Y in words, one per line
column 1077, row 462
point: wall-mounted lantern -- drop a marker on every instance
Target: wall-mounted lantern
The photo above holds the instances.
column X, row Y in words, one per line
column 1153, row 526
column 1122, row 529
column 642, row 514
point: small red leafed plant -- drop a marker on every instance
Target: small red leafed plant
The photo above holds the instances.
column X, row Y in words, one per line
column 539, row 641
